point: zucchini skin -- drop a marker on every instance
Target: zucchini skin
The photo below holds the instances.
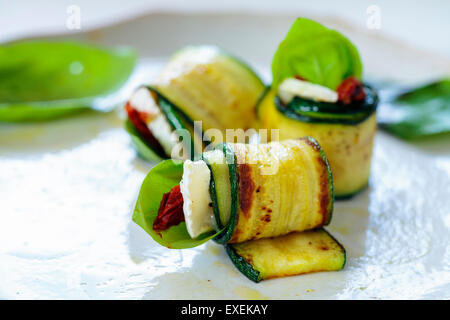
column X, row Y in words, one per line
column 213, row 194
column 219, row 187
column 330, row 177
column 350, row 195
column 242, row 265
column 293, row 254
column 348, row 146
column 230, row 157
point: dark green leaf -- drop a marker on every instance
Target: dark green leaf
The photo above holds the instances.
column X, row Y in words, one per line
column 160, row 180
column 420, row 112
column 43, row 80
column 316, row 53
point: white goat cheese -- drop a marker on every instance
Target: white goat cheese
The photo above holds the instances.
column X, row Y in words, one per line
column 197, row 204
column 157, row 122
column 292, row 87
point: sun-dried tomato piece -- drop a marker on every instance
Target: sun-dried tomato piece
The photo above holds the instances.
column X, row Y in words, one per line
column 300, row 78
column 350, row 90
column 138, row 119
column 170, row 212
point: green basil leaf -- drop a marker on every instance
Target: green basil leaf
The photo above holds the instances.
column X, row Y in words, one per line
column 160, row 180
column 420, row 112
column 141, row 147
column 41, row 80
column 316, row 53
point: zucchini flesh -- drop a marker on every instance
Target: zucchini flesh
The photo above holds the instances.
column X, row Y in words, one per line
column 292, row 254
column 231, row 162
column 220, row 187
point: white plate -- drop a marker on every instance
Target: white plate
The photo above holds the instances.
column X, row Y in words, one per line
column 68, row 188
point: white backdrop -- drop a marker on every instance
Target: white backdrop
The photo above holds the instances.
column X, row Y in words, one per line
column 424, row 23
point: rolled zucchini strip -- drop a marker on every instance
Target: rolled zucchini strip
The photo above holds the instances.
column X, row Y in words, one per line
column 210, row 85
column 346, row 133
column 165, row 125
column 262, row 198
column 200, row 83
column 279, row 187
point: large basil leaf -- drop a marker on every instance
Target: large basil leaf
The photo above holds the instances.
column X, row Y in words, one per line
column 160, row 180
column 316, row 53
column 419, row 112
column 41, row 80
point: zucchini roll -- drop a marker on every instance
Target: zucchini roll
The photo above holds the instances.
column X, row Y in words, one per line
column 346, row 137
column 317, row 92
column 199, row 83
column 266, row 203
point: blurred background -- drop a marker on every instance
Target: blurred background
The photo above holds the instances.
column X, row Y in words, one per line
column 422, row 23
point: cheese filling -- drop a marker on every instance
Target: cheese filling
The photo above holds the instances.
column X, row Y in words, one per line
column 292, row 87
column 156, row 121
column 197, row 204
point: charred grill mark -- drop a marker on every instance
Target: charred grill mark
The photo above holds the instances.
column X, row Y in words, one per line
column 323, row 246
column 246, row 188
column 248, row 258
column 324, row 196
column 236, row 234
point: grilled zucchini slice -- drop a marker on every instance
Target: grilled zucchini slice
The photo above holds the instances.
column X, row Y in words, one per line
column 292, row 254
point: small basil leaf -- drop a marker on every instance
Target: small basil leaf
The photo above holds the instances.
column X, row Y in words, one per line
column 316, row 53
column 160, row 180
